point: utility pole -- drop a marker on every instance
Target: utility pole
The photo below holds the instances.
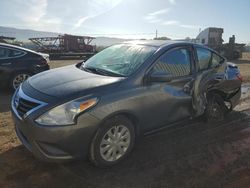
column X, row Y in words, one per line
column 156, row 34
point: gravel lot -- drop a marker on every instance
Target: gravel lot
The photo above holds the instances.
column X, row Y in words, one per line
column 194, row 154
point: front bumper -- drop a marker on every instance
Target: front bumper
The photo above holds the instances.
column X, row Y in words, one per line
column 59, row 143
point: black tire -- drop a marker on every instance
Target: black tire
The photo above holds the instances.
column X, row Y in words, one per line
column 216, row 109
column 14, row 76
column 95, row 155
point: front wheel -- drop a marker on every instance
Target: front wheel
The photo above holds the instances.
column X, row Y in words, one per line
column 113, row 142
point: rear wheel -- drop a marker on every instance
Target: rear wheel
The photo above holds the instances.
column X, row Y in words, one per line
column 216, row 108
column 113, row 142
column 18, row 78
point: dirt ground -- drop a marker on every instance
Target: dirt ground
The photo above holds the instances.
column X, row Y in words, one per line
column 195, row 154
column 244, row 66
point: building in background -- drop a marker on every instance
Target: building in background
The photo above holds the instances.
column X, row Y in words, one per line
column 211, row 37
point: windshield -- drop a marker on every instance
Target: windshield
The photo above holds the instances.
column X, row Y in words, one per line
column 119, row 60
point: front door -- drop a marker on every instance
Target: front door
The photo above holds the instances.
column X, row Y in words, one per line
column 170, row 101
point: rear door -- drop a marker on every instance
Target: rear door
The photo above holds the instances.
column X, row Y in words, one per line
column 214, row 73
column 5, row 63
column 210, row 75
column 10, row 61
column 170, row 101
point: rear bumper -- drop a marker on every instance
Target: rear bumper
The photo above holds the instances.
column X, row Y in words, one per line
column 235, row 99
column 39, row 68
column 56, row 144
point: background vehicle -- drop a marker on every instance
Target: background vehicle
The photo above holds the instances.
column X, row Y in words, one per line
column 17, row 64
column 124, row 91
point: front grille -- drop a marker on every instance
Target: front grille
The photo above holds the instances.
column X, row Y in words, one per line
column 25, row 106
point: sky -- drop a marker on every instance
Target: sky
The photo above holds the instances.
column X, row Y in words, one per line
column 176, row 19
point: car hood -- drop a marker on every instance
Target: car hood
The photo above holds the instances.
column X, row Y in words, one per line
column 69, row 80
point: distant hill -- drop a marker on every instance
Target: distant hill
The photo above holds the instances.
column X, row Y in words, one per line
column 25, row 34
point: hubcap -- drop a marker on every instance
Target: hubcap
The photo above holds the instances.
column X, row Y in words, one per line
column 19, row 79
column 115, row 143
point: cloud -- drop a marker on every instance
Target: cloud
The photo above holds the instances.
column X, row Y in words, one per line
column 96, row 8
column 49, row 24
column 190, row 26
column 172, row 2
column 170, row 22
column 81, row 21
column 153, row 17
column 159, row 12
column 179, row 24
column 33, row 14
column 54, row 15
column 36, row 10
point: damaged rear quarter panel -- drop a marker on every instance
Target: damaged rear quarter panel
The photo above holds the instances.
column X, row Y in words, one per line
column 221, row 80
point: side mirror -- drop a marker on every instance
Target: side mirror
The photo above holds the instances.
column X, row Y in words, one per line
column 161, row 77
column 79, row 64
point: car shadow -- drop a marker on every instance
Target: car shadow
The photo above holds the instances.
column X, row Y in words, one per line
column 5, row 99
column 197, row 154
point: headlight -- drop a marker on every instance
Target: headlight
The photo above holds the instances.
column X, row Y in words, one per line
column 66, row 113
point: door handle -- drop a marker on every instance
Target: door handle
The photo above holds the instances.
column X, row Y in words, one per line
column 187, row 88
column 219, row 78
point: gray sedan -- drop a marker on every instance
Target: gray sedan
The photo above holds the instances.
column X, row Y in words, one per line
column 99, row 107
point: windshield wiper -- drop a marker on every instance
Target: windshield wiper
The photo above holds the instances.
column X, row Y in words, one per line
column 101, row 71
column 90, row 69
column 109, row 73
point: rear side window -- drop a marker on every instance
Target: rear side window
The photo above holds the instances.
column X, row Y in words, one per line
column 204, row 58
column 10, row 53
column 216, row 60
column 4, row 53
column 176, row 62
column 16, row 53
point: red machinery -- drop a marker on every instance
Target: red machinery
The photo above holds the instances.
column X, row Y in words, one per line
column 65, row 45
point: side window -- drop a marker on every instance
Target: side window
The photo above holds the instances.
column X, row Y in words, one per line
column 4, row 53
column 16, row 53
column 176, row 62
column 204, row 58
column 216, row 60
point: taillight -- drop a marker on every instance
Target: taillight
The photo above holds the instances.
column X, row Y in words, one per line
column 240, row 77
column 44, row 61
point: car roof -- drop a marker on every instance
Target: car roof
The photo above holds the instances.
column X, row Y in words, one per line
column 166, row 43
column 156, row 43
column 18, row 48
